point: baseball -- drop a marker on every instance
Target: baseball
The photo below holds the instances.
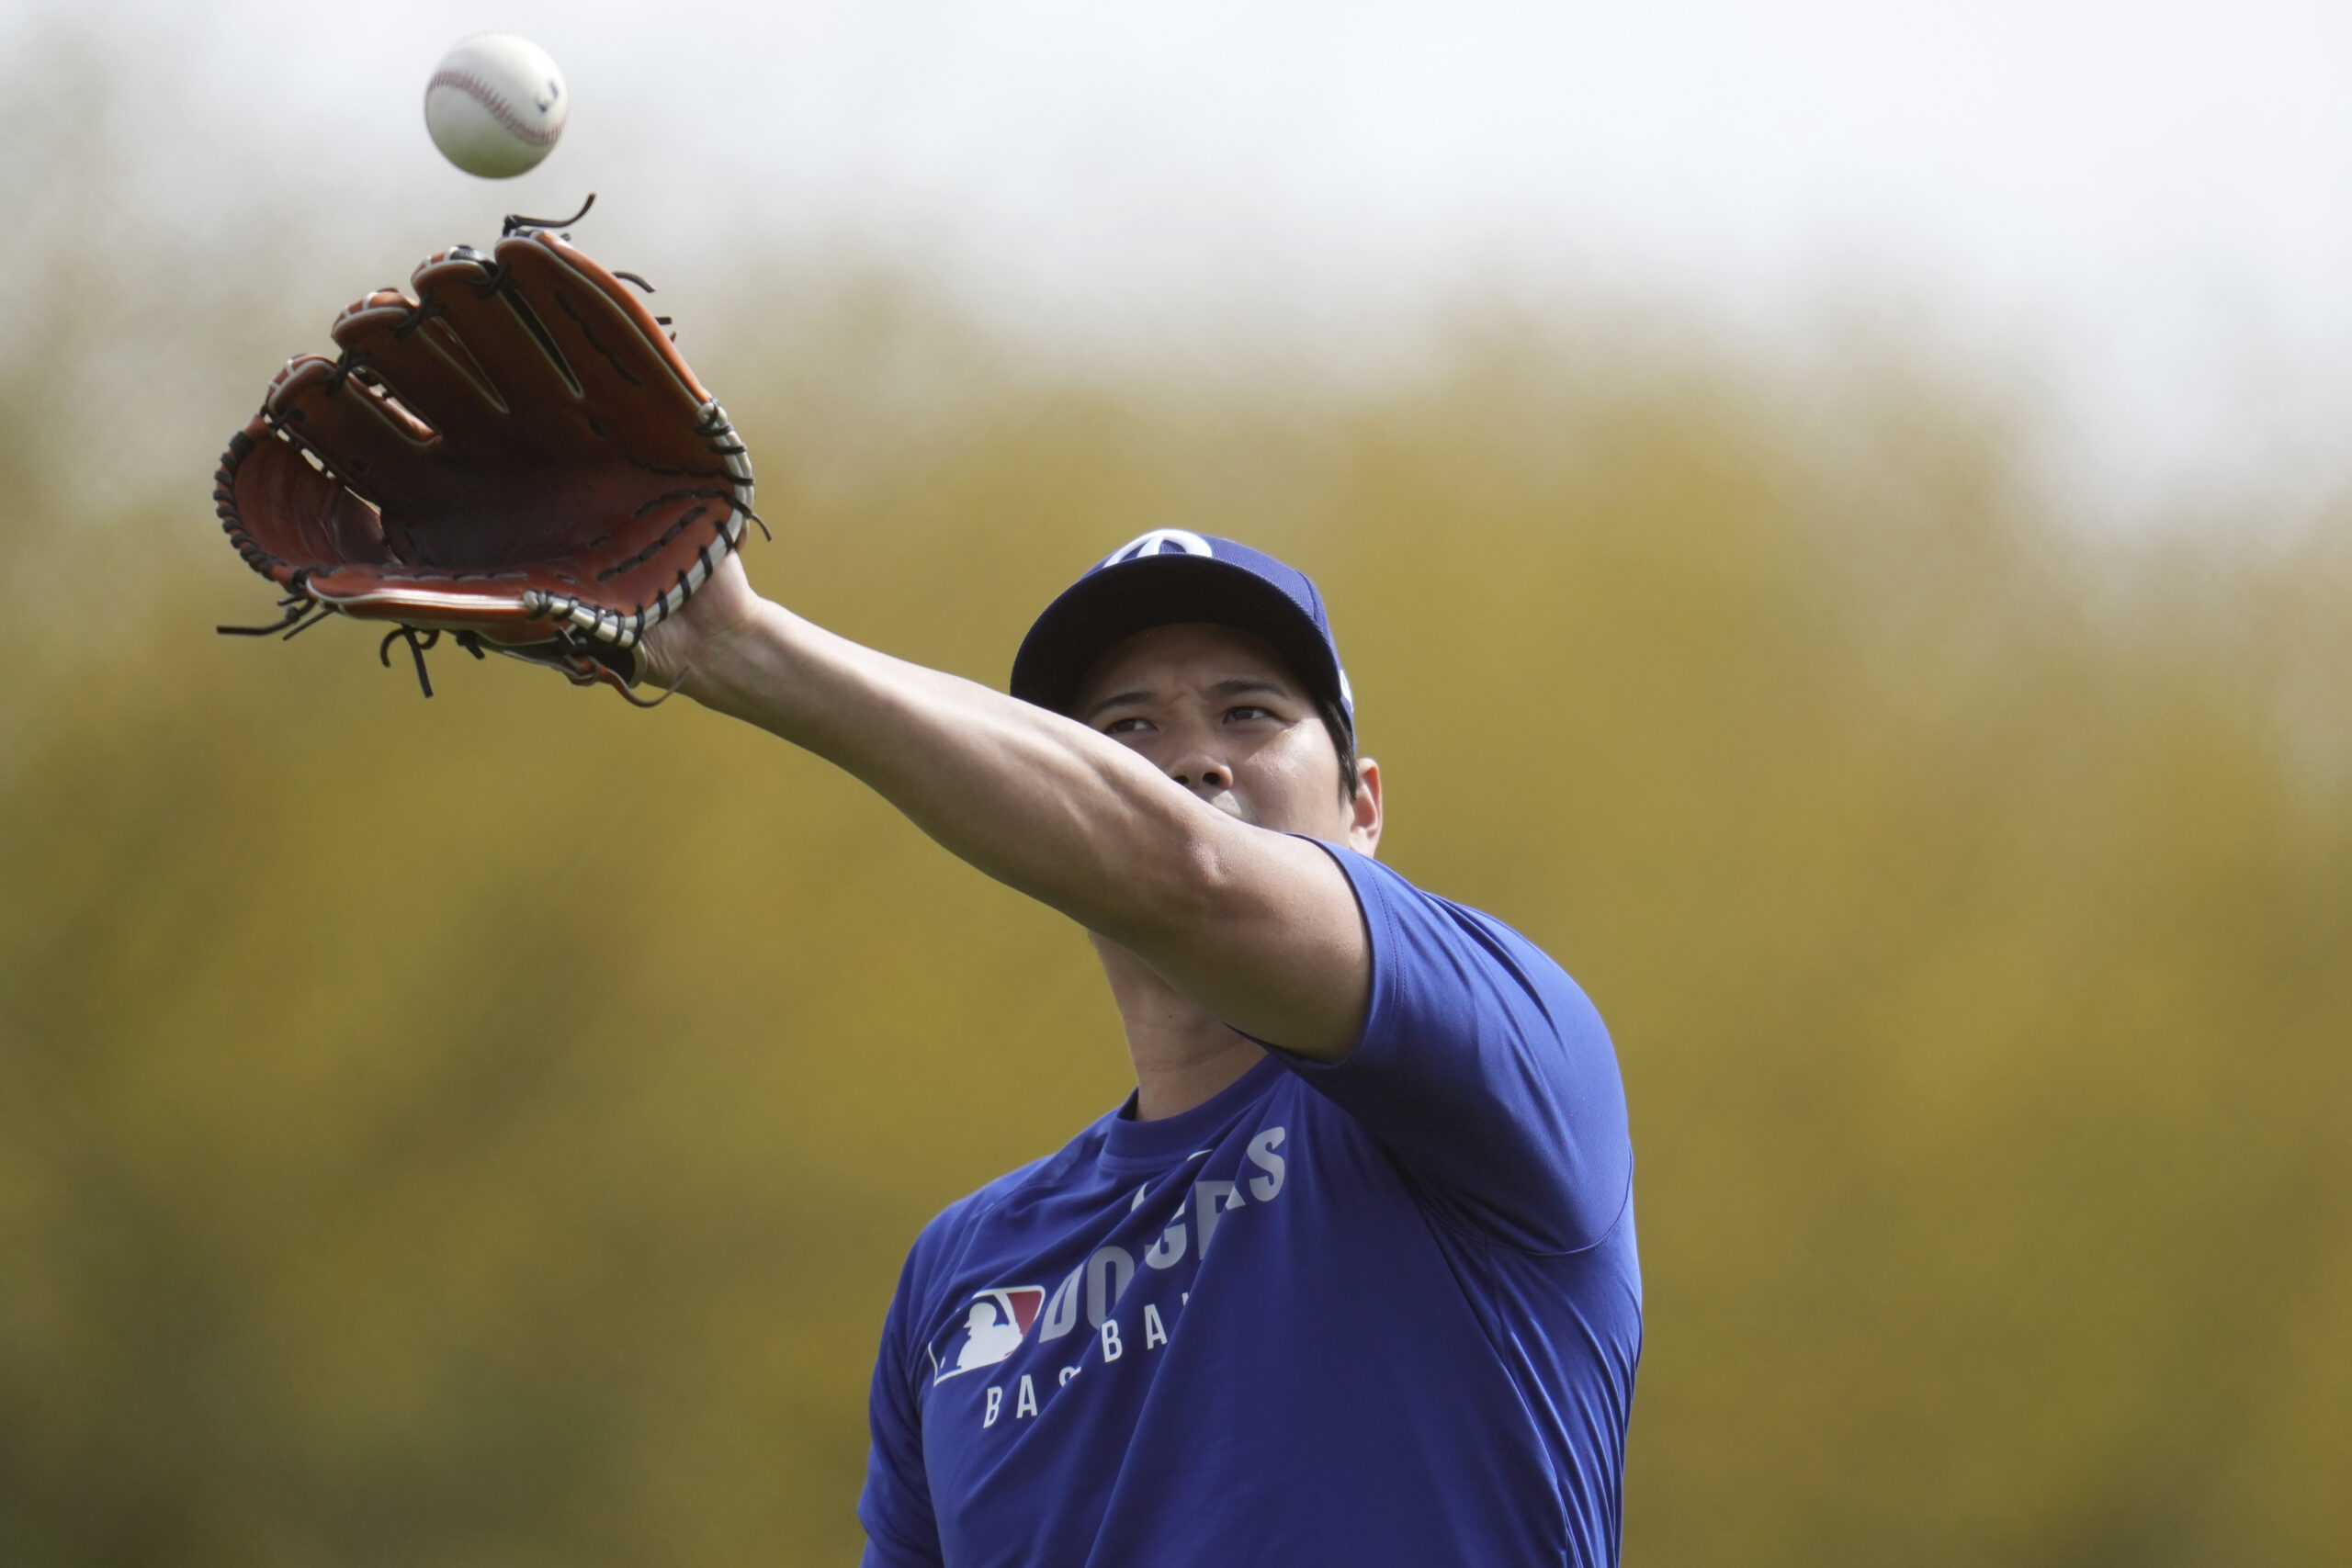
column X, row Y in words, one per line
column 496, row 105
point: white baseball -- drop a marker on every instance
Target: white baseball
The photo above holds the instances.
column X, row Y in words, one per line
column 496, row 105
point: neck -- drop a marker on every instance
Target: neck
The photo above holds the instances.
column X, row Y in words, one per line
column 1183, row 1054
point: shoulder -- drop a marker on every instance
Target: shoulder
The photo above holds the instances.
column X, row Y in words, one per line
column 1386, row 892
column 960, row 1218
column 945, row 1249
column 949, row 1230
column 1416, row 933
column 950, row 1234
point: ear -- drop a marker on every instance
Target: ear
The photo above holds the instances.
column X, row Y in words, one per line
column 1363, row 811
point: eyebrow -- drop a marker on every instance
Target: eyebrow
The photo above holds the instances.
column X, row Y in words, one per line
column 1241, row 685
column 1234, row 686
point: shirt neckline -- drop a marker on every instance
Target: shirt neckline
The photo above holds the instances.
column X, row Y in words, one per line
column 1153, row 1142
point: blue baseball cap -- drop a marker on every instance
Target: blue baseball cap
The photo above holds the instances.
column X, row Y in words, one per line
column 1168, row 576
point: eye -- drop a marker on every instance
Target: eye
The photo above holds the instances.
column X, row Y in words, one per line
column 1247, row 712
column 1134, row 726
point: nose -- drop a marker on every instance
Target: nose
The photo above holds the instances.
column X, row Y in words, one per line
column 1198, row 765
column 1203, row 775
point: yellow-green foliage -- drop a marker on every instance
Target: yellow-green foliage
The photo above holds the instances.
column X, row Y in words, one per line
column 485, row 1131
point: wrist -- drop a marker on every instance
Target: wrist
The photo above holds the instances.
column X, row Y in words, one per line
column 736, row 666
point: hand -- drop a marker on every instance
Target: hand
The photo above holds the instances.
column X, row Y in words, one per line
column 683, row 649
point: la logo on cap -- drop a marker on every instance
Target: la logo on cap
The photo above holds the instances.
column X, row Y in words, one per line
column 1159, row 542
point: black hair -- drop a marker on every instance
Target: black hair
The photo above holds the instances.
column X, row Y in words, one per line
column 1343, row 742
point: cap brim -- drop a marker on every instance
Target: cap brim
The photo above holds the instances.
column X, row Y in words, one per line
column 1098, row 613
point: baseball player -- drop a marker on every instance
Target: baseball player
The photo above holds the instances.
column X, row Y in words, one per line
column 1350, row 1277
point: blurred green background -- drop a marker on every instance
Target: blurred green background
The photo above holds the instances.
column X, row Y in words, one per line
column 486, row 1131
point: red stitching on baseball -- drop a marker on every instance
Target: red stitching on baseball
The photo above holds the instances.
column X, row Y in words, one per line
column 490, row 98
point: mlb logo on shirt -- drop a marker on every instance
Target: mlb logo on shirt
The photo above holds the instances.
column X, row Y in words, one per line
column 991, row 1330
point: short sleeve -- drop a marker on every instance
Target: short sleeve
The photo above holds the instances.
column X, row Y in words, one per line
column 901, row 1530
column 1484, row 1068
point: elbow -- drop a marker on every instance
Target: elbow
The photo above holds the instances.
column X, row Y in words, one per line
column 1185, row 879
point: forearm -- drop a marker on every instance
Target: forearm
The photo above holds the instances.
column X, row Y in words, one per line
column 1037, row 801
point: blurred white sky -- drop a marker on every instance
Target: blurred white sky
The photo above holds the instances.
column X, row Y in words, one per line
column 2147, row 205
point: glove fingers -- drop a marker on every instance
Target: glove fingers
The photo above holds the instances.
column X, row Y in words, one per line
column 370, row 442
column 639, row 386
column 420, row 362
column 284, row 515
column 621, row 355
column 536, row 411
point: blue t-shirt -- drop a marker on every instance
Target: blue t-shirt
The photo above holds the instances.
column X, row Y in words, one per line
column 1385, row 1311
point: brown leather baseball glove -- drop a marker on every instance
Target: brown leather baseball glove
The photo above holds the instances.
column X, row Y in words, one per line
column 517, row 457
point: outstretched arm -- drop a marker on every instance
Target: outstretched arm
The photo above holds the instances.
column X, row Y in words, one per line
column 1261, row 928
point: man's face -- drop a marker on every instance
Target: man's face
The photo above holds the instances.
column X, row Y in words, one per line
column 1218, row 711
